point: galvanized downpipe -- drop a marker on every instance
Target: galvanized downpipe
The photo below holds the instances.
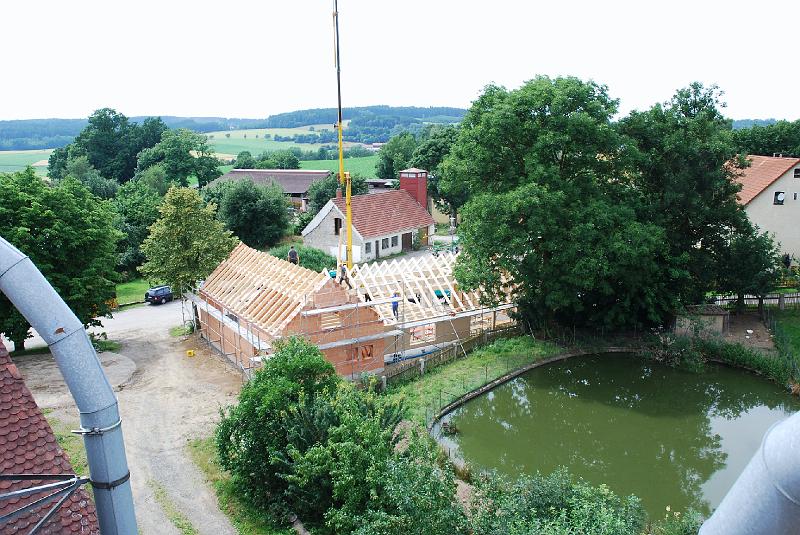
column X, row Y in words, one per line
column 765, row 500
column 35, row 298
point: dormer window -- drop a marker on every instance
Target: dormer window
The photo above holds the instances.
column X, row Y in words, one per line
column 780, row 196
column 797, row 172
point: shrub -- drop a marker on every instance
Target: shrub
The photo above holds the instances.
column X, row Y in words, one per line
column 310, row 258
column 675, row 523
column 251, row 438
column 553, row 504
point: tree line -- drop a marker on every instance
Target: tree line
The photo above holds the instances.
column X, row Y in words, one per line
column 596, row 222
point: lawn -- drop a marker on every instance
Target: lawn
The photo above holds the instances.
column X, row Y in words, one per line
column 789, row 324
column 17, row 160
column 246, row 519
column 363, row 166
column 131, row 292
column 427, row 394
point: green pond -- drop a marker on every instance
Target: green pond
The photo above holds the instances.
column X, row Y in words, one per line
column 671, row 437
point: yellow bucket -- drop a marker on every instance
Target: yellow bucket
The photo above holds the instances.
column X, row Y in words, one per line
column 190, row 352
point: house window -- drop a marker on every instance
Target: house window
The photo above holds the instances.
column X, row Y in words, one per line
column 368, row 245
column 797, row 172
column 780, row 196
column 394, row 241
column 337, row 225
column 795, row 196
column 385, row 243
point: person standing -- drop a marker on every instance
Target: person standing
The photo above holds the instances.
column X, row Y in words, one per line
column 294, row 258
column 395, row 304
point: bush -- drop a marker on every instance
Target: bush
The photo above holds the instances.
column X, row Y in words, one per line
column 675, row 523
column 310, row 258
column 692, row 353
column 553, row 504
column 252, row 436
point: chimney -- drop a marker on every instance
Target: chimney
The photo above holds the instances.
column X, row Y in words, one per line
column 415, row 182
column 338, row 193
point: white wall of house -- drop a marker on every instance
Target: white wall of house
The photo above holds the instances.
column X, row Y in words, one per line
column 781, row 220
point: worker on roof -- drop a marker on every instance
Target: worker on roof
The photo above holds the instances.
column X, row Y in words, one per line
column 395, row 304
column 294, row 258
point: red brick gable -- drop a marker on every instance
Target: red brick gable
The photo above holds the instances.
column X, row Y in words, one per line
column 27, row 445
column 390, row 212
column 763, row 171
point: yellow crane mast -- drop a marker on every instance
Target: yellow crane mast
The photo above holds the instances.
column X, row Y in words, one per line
column 344, row 178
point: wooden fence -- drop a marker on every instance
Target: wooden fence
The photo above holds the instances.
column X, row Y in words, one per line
column 404, row 371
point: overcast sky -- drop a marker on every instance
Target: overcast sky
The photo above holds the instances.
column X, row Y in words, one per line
column 254, row 58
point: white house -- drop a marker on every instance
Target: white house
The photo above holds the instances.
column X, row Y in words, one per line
column 384, row 224
column 771, row 197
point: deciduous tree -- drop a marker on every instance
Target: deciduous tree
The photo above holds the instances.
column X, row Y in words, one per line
column 136, row 204
column 182, row 154
column 321, row 191
column 395, row 156
column 70, row 236
column 256, row 214
column 187, row 241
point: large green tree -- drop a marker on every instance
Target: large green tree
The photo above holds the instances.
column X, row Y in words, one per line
column 550, row 207
column 434, row 147
column 80, row 169
column 257, row 214
column 111, row 143
column 187, row 241
column 321, row 191
column 395, row 155
column 136, row 204
column 70, row 236
column 182, row 154
column 686, row 167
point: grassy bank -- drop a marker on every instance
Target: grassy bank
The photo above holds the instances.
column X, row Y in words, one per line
column 132, row 291
column 246, row 519
column 441, row 385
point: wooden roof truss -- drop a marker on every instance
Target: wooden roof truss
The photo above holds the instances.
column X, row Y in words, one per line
column 426, row 286
column 262, row 289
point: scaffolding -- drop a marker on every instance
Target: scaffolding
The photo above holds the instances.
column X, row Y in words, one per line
column 376, row 314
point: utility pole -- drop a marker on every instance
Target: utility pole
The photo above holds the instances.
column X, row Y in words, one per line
column 344, row 178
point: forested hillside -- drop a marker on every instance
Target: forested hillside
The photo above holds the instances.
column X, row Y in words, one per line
column 367, row 125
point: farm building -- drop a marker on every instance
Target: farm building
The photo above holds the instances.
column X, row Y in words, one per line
column 253, row 300
column 770, row 189
column 294, row 182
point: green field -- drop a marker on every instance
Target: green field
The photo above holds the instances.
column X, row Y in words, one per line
column 364, row 166
column 235, row 141
column 17, row 160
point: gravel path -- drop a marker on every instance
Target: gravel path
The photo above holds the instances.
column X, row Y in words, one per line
column 166, row 399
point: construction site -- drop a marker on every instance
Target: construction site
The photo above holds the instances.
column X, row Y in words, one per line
column 374, row 316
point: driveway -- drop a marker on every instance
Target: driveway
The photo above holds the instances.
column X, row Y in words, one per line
column 166, row 399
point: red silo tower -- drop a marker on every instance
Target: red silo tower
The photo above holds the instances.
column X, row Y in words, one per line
column 415, row 182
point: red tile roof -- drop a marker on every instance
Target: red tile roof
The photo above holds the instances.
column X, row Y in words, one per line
column 293, row 181
column 763, row 171
column 389, row 212
column 27, row 445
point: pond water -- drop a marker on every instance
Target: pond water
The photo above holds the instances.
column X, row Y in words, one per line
column 671, row 437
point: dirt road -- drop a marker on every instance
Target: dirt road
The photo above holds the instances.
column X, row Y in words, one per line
column 166, row 399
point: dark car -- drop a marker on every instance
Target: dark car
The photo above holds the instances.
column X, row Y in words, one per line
column 158, row 294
